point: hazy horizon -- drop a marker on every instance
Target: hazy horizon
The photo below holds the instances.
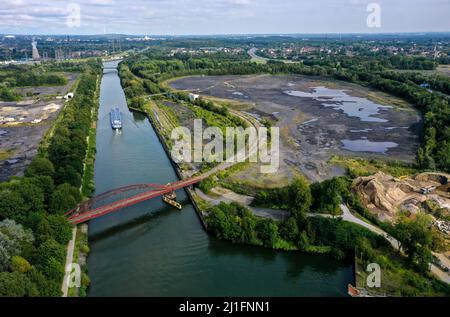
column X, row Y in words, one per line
column 229, row 34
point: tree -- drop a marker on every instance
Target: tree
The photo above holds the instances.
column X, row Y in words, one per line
column 45, row 287
column 16, row 285
column 303, row 241
column 64, row 198
column 32, row 194
column 299, row 195
column 40, row 167
column 12, row 206
column 47, row 185
column 416, row 239
column 68, row 174
column 13, row 239
column 289, row 230
column 267, row 232
column 7, row 94
column 19, row 264
column 60, row 228
column 49, row 259
column 444, row 156
column 295, row 197
column 329, row 194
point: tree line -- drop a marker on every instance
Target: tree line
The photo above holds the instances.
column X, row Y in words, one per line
column 33, row 229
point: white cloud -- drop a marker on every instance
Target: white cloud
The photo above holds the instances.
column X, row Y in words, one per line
column 221, row 16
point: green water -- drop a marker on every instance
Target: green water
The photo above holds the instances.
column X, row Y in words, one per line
column 153, row 250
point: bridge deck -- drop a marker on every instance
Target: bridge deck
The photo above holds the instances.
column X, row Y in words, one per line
column 77, row 218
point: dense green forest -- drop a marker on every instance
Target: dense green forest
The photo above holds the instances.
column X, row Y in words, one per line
column 33, row 229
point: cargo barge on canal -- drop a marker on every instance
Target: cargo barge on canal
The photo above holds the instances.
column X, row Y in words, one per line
column 116, row 118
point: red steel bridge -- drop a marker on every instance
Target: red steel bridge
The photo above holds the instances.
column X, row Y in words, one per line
column 85, row 211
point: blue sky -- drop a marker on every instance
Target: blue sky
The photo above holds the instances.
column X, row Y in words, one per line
column 181, row 17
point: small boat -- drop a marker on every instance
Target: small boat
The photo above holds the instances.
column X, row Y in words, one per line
column 172, row 203
column 170, row 199
column 116, row 118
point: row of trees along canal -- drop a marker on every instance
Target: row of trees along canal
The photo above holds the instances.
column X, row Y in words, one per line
column 33, row 231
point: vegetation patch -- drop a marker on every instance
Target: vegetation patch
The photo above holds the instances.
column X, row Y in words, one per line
column 357, row 167
column 32, row 208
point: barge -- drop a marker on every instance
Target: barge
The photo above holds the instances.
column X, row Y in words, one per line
column 116, row 118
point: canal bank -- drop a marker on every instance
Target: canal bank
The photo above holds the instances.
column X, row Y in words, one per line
column 188, row 190
column 154, row 250
column 77, row 248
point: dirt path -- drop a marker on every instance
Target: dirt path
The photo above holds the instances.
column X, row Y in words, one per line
column 69, row 260
column 227, row 196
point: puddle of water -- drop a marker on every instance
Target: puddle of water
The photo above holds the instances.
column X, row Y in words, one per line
column 364, row 145
column 361, row 131
column 393, row 128
column 362, row 108
column 12, row 161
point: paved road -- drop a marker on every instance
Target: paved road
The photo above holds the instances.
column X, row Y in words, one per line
column 69, row 260
column 264, row 60
column 256, row 58
column 348, row 216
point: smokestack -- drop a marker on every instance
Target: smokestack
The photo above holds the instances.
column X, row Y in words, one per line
column 35, row 51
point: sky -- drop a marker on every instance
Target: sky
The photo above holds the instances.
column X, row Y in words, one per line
column 205, row 17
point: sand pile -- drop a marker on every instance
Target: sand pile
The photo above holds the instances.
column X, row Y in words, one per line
column 382, row 193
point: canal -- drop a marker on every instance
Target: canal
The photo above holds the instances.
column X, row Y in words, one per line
column 153, row 250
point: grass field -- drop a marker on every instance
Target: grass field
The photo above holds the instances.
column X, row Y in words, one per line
column 362, row 167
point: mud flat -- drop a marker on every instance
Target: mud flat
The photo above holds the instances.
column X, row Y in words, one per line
column 319, row 118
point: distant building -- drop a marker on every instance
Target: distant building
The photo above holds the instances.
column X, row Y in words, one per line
column 193, row 97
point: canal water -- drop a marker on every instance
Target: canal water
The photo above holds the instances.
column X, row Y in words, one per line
column 154, row 250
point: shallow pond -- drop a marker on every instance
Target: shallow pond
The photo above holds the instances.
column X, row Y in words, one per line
column 364, row 145
column 362, row 108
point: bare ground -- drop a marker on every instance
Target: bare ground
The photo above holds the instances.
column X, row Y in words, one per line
column 24, row 124
column 313, row 129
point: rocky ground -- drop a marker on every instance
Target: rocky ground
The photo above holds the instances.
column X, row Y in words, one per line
column 319, row 118
column 24, row 123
